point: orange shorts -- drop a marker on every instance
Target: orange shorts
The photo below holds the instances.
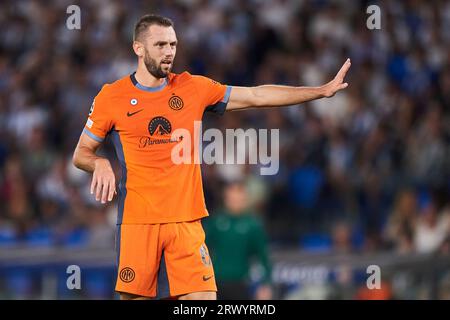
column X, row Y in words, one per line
column 163, row 260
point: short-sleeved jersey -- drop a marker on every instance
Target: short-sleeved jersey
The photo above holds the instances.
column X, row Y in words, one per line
column 141, row 121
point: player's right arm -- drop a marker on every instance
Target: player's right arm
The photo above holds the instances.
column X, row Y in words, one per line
column 103, row 178
column 99, row 123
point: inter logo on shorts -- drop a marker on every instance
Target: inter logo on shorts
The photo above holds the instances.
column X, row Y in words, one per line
column 205, row 256
column 126, row 274
column 176, row 103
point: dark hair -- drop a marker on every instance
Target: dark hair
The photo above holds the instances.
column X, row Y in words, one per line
column 148, row 20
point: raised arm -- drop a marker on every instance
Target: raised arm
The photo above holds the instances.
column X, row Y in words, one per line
column 103, row 178
column 277, row 96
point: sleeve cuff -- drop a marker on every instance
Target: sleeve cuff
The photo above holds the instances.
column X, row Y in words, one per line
column 93, row 136
column 226, row 97
column 221, row 106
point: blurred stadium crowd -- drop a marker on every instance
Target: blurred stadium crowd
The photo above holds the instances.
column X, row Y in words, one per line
column 367, row 170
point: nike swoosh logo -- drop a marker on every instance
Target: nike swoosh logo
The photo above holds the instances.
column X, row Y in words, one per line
column 129, row 114
column 205, row 278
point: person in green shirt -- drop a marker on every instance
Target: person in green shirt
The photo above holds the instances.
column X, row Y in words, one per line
column 236, row 239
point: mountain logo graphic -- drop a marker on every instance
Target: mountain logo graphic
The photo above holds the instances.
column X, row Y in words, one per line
column 159, row 126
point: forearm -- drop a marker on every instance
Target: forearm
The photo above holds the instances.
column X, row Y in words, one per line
column 261, row 251
column 275, row 95
column 263, row 257
column 85, row 159
column 272, row 96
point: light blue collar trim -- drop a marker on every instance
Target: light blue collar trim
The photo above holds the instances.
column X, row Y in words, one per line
column 149, row 89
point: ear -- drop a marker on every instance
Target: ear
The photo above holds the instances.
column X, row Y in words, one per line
column 138, row 48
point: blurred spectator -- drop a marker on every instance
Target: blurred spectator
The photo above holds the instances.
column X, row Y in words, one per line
column 432, row 229
column 342, row 238
column 399, row 232
column 237, row 240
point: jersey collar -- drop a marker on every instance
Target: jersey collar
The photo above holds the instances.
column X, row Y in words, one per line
column 149, row 89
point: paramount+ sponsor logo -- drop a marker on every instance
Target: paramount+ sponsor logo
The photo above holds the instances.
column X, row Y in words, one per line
column 160, row 130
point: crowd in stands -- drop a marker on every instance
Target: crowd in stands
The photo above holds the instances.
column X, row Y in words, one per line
column 367, row 170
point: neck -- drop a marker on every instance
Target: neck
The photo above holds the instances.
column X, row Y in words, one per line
column 146, row 78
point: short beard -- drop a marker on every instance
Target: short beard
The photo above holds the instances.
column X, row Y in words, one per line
column 153, row 68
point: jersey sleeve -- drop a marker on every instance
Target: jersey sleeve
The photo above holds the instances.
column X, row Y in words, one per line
column 214, row 95
column 99, row 121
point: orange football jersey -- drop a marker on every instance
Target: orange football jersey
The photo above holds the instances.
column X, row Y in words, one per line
column 140, row 121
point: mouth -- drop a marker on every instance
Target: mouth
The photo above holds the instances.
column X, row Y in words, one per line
column 166, row 63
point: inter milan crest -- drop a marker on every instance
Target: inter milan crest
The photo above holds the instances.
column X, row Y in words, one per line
column 176, row 103
column 127, row 274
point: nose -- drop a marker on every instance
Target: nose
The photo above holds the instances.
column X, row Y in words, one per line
column 168, row 51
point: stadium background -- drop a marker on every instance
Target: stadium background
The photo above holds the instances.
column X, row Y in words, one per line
column 364, row 177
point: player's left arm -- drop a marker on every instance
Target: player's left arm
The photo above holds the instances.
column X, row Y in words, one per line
column 277, row 96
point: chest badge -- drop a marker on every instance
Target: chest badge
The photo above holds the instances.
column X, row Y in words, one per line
column 176, row 103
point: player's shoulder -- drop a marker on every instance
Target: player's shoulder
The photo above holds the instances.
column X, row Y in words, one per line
column 114, row 88
column 180, row 78
column 186, row 77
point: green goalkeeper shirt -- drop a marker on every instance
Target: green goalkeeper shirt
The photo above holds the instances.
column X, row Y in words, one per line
column 235, row 242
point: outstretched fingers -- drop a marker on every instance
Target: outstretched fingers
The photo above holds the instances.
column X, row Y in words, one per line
column 112, row 190
column 103, row 187
column 343, row 71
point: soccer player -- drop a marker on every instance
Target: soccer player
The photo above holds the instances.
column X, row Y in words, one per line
column 160, row 240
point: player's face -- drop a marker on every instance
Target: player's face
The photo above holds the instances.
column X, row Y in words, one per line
column 160, row 50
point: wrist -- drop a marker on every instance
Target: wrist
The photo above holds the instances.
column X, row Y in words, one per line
column 99, row 162
column 322, row 91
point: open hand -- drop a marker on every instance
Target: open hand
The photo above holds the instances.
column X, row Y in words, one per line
column 337, row 83
column 103, row 181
